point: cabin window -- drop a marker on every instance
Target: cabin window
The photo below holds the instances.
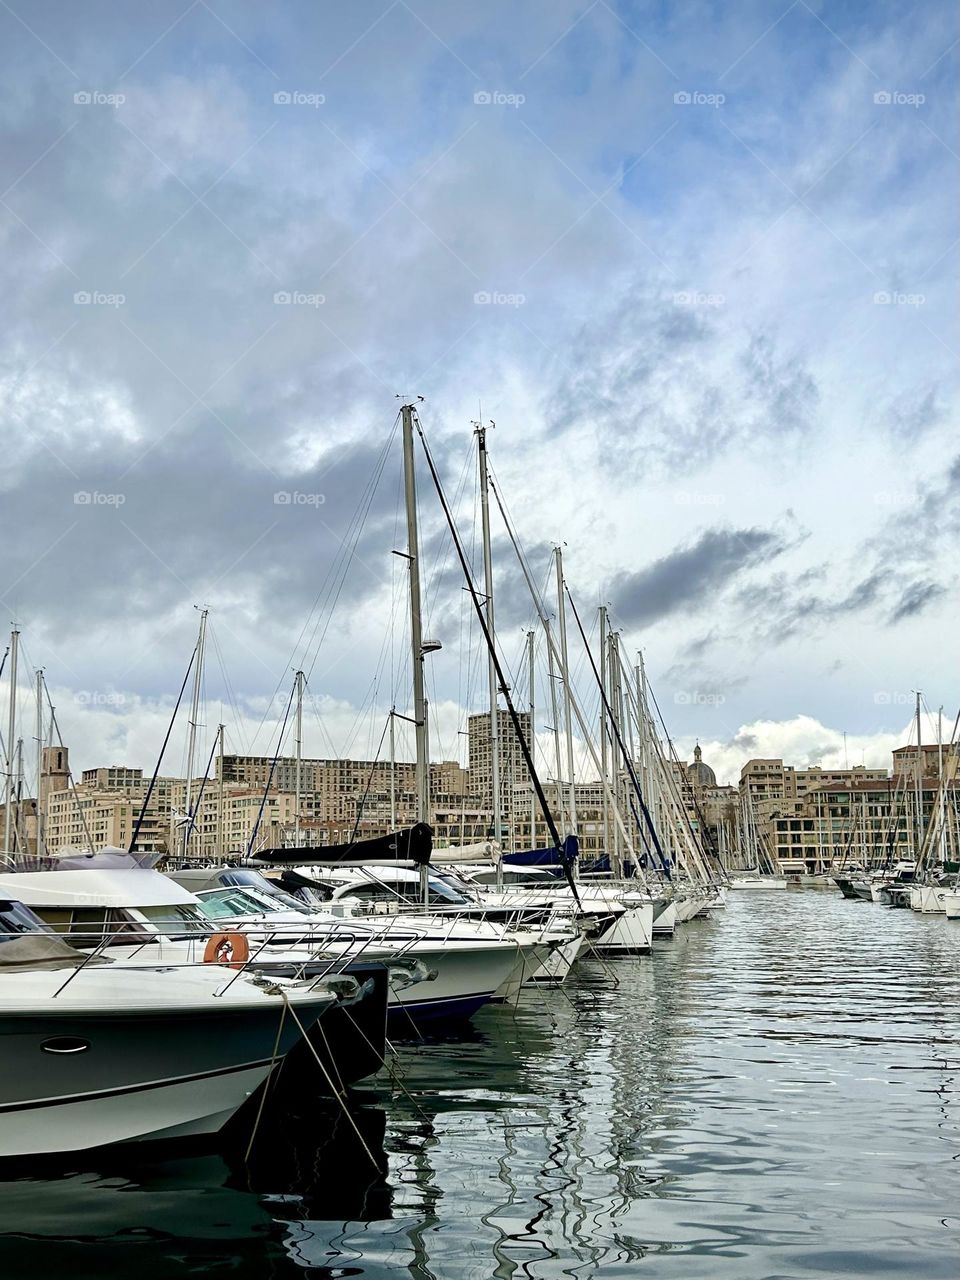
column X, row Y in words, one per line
column 96, row 926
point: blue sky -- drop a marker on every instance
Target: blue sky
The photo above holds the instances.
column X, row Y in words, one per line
column 721, row 244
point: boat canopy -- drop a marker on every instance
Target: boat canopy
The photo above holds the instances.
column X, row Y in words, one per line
column 414, row 844
column 110, row 858
column 125, row 887
column 485, row 851
column 545, row 857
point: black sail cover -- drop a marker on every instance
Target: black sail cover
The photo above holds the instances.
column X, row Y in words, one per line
column 414, row 844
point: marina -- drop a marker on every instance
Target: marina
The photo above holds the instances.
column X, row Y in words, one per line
column 479, row 732
column 710, row 1110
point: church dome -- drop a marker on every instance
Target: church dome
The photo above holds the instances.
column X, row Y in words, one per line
column 700, row 774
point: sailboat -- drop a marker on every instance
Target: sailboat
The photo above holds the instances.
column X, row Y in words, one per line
column 762, row 868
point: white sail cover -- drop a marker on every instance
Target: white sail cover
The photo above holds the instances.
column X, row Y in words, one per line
column 485, row 851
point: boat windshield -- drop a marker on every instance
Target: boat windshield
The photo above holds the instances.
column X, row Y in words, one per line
column 176, row 921
column 16, row 920
column 443, row 889
column 406, row 892
column 221, row 904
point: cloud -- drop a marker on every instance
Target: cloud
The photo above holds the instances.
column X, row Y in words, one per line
column 914, row 412
column 693, row 576
column 802, row 741
column 916, row 598
column 680, row 383
column 675, row 312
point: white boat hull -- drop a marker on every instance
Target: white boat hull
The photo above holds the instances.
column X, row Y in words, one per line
column 758, row 882
column 112, row 1054
column 631, row 933
column 665, row 924
column 555, row 967
column 187, row 1109
column 464, row 980
column 687, row 908
column 927, row 899
column 529, row 960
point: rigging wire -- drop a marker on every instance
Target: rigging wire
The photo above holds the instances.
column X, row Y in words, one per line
column 270, row 773
column 518, row 728
column 153, row 781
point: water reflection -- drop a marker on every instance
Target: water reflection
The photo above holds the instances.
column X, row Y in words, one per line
column 772, row 1094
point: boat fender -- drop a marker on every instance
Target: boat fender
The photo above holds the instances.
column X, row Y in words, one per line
column 404, row 973
column 227, row 948
column 345, row 988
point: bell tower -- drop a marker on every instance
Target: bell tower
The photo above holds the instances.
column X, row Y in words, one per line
column 54, row 772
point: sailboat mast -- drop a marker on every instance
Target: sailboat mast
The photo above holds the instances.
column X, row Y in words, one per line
column 481, row 434
column 393, row 769
column 11, row 735
column 192, row 737
column 298, row 781
column 567, row 721
column 219, row 845
column 40, row 823
column 615, row 698
column 416, row 632
column 941, row 818
column 555, row 717
column 532, row 685
column 918, row 825
column 603, row 729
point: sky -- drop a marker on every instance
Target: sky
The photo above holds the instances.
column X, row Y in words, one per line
column 697, row 262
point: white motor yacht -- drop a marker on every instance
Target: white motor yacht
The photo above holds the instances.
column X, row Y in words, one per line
column 550, row 938
column 95, row 1052
column 471, row 964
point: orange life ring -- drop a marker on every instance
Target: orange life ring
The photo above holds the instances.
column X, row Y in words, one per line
column 230, row 949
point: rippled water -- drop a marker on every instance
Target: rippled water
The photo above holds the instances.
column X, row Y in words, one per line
column 773, row 1094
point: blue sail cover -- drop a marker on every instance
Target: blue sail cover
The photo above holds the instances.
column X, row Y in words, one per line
column 545, row 857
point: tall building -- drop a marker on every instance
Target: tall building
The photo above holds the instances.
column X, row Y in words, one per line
column 513, row 769
column 862, row 822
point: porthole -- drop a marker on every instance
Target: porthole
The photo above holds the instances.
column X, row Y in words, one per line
column 65, row 1044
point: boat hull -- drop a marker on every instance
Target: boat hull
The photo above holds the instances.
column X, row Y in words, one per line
column 555, row 967
column 927, row 899
column 665, row 924
column 72, row 1081
column 463, row 981
column 632, row 932
column 529, row 959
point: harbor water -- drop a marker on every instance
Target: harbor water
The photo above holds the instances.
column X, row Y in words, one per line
column 774, row 1093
